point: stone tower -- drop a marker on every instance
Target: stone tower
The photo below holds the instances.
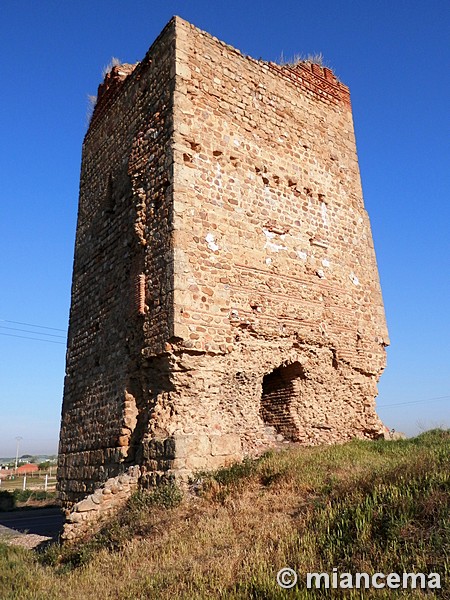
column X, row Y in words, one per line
column 225, row 292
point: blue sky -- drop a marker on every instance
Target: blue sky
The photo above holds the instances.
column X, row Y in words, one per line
column 395, row 57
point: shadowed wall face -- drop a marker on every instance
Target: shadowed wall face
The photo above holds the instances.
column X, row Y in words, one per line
column 122, row 267
column 225, row 295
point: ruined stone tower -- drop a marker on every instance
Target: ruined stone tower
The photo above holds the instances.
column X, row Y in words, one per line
column 225, row 291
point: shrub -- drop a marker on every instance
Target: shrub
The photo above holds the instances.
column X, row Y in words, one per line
column 7, row 500
column 167, row 495
column 24, row 495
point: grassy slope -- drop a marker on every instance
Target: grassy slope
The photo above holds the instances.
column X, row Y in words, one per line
column 363, row 506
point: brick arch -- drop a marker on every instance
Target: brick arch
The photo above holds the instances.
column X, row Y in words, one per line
column 280, row 388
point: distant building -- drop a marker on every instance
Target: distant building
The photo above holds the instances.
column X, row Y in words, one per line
column 27, row 469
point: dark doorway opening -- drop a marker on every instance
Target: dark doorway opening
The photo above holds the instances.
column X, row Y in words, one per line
column 280, row 388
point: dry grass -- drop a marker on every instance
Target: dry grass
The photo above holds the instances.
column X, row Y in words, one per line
column 91, row 104
column 362, row 506
column 114, row 62
column 316, row 58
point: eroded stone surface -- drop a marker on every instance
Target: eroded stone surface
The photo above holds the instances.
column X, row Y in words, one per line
column 225, row 292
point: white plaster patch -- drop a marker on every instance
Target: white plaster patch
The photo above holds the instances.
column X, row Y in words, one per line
column 274, row 247
column 269, row 234
column 236, row 142
column 354, row 279
column 325, row 262
column 268, row 261
column 267, row 195
column 219, row 174
column 324, row 212
column 211, row 242
column 302, row 254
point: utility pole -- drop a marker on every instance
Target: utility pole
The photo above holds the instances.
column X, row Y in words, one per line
column 18, row 438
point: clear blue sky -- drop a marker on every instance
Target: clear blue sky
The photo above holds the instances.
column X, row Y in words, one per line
column 394, row 55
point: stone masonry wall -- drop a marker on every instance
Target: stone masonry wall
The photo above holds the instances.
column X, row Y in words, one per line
column 123, row 240
column 226, row 295
column 273, row 254
column 87, row 516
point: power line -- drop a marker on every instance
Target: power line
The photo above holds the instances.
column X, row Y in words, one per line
column 435, row 399
column 31, row 325
column 29, row 331
column 24, row 337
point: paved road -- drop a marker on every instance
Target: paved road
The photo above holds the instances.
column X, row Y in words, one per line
column 40, row 521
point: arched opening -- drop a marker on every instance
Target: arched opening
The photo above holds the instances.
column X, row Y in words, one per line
column 279, row 390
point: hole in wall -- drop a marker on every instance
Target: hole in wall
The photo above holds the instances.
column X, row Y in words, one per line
column 280, row 389
column 240, row 377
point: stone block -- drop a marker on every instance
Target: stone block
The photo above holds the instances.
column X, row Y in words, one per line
column 156, row 449
column 169, row 448
column 225, row 445
column 197, row 463
column 74, row 517
column 86, row 505
column 187, row 445
column 97, row 498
